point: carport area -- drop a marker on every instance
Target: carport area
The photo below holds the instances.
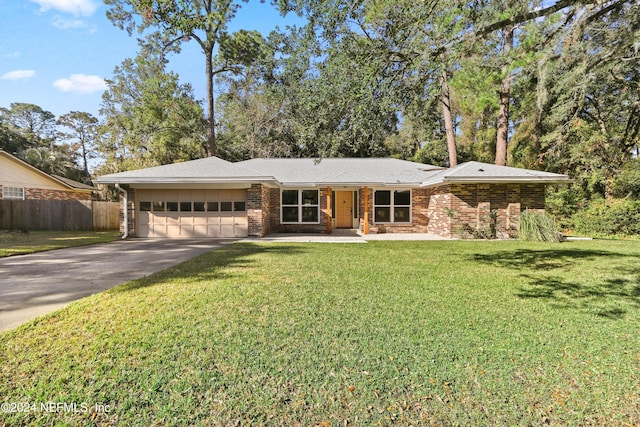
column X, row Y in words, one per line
column 36, row 284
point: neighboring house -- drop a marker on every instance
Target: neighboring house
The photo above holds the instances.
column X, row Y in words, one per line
column 215, row 198
column 21, row 181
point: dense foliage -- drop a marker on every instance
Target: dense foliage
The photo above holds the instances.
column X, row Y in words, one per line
column 609, row 218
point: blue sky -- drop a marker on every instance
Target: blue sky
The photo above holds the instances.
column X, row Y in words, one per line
column 56, row 53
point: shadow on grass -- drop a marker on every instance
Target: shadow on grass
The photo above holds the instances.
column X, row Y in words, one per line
column 607, row 283
column 216, row 264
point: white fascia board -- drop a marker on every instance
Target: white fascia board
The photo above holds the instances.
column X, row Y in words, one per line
column 498, row 180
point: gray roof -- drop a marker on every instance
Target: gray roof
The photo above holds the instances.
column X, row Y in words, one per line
column 327, row 172
column 341, row 171
column 207, row 170
column 72, row 183
column 488, row 173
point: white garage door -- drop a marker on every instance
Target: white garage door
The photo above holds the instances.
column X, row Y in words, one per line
column 192, row 213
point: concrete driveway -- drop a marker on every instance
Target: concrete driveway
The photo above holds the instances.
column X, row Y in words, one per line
column 36, row 284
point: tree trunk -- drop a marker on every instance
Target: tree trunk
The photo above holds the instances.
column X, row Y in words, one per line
column 211, row 128
column 85, row 163
column 448, row 121
column 505, row 95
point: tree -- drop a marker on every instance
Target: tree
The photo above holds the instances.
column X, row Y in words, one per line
column 29, row 132
column 31, row 122
column 149, row 117
column 82, row 134
column 254, row 121
column 205, row 21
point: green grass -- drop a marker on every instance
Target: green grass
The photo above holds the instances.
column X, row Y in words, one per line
column 387, row 333
column 20, row 243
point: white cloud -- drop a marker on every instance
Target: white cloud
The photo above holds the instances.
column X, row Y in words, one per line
column 15, row 54
column 66, row 24
column 81, row 83
column 18, row 74
column 75, row 7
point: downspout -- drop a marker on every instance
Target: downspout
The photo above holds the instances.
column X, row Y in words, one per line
column 126, row 211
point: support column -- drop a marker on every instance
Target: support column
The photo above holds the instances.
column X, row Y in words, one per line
column 329, row 213
column 365, row 203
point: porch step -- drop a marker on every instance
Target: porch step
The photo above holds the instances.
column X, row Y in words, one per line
column 344, row 232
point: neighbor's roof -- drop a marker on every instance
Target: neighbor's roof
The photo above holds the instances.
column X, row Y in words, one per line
column 60, row 180
column 341, row 171
column 488, row 173
column 72, row 183
column 207, row 170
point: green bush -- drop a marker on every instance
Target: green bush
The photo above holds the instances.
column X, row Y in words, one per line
column 612, row 217
column 538, row 227
column 627, row 183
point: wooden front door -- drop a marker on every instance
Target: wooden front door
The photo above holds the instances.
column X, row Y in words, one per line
column 344, row 209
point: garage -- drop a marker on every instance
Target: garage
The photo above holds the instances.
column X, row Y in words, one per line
column 191, row 213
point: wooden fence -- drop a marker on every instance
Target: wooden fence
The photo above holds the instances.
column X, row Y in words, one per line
column 80, row 215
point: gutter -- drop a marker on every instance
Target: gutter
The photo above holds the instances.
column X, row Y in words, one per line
column 126, row 210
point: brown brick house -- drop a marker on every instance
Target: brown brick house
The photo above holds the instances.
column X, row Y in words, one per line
column 21, row 181
column 215, row 198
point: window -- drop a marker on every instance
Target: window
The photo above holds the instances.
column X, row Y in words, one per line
column 198, row 206
column 225, row 206
column 212, row 206
column 239, row 206
column 172, row 206
column 13, row 193
column 185, row 207
column 158, row 206
column 300, row 206
column 145, row 206
column 392, row 206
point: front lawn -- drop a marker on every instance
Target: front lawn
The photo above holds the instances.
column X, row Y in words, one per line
column 386, row 333
column 26, row 242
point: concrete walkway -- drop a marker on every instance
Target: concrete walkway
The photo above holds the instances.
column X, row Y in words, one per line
column 36, row 284
column 344, row 237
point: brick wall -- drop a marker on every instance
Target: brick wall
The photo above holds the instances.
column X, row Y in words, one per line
column 259, row 210
column 277, row 227
column 439, row 211
column 473, row 207
column 45, row 194
column 131, row 207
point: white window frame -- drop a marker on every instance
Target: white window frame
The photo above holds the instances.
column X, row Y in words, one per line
column 392, row 206
column 299, row 206
column 17, row 193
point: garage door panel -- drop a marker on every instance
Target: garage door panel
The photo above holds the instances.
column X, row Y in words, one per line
column 154, row 221
column 200, row 231
column 200, row 219
column 227, row 230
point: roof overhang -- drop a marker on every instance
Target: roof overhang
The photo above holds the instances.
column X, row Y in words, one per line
column 498, row 180
column 160, row 181
column 348, row 184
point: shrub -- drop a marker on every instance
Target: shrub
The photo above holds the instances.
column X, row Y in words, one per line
column 612, row 217
column 538, row 227
column 563, row 201
column 627, row 183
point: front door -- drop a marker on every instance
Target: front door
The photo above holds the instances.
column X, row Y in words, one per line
column 344, row 209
